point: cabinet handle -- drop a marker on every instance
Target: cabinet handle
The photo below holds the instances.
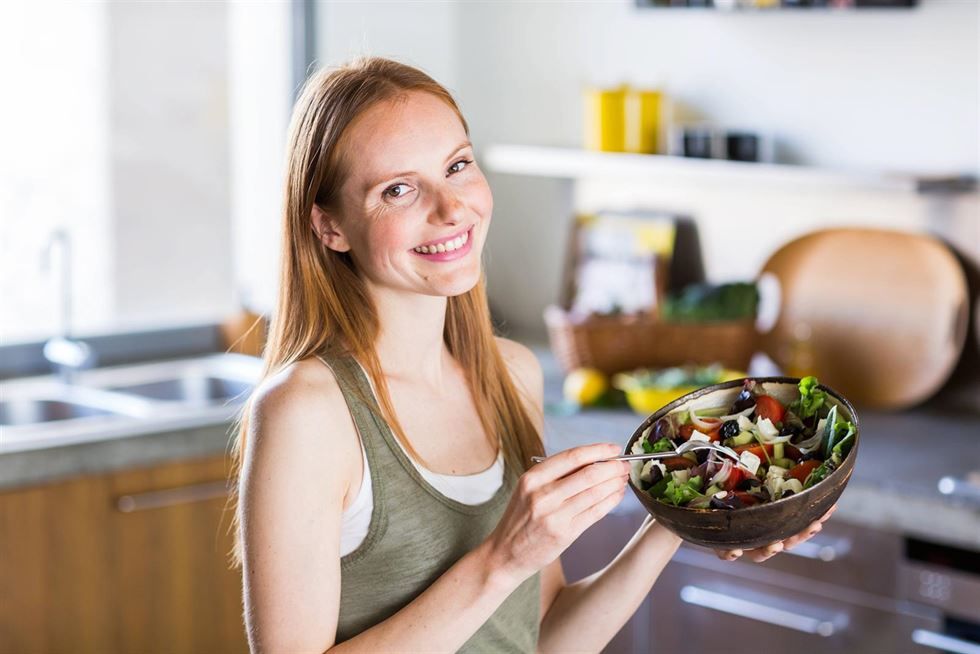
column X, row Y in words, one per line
column 171, row 496
column 946, row 643
column 821, row 551
column 755, row 611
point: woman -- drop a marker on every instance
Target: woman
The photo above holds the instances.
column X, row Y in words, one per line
column 385, row 498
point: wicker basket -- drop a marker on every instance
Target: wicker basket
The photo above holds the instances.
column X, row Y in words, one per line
column 619, row 343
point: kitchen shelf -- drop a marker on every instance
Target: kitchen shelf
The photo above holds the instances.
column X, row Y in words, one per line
column 575, row 163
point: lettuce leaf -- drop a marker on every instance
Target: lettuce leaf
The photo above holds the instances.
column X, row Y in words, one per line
column 811, row 398
column 682, row 493
column 663, row 445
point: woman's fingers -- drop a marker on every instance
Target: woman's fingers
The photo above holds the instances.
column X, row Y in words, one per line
column 763, row 553
column 592, row 494
column 589, row 477
column 594, row 513
column 559, row 465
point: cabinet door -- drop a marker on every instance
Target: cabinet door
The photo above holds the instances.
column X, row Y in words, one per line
column 168, row 530
column 698, row 610
column 55, row 582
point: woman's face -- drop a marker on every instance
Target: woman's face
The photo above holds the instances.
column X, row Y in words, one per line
column 415, row 207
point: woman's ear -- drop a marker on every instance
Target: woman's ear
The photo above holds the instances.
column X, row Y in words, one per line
column 327, row 230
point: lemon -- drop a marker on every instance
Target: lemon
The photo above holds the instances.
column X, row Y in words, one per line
column 585, row 386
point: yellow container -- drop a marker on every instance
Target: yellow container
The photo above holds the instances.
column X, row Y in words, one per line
column 646, row 400
column 605, row 126
column 644, row 117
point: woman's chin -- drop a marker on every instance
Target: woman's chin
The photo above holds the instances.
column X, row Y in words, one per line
column 458, row 285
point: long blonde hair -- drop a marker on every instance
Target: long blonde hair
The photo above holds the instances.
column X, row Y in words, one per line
column 323, row 305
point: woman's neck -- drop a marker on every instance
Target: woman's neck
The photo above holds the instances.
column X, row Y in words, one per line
column 411, row 344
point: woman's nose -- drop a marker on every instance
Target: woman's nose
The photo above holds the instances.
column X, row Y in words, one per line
column 449, row 207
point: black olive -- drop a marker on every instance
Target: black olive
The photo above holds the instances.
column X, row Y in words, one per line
column 730, row 429
column 702, row 455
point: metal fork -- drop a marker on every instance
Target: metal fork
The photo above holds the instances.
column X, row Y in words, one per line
column 688, row 446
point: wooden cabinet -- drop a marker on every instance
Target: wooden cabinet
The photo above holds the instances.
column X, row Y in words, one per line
column 134, row 561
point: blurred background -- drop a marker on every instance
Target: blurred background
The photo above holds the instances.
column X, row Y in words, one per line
column 684, row 189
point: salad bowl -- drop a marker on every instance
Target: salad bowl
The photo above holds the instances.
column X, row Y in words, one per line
column 718, row 519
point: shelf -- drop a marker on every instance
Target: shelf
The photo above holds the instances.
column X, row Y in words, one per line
column 574, row 163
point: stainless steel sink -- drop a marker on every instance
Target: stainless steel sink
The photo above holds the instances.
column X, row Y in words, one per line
column 28, row 411
column 125, row 400
column 194, row 388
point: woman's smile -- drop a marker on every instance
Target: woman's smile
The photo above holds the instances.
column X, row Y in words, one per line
column 454, row 247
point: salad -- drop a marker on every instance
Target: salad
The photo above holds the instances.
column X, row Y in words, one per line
column 782, row 449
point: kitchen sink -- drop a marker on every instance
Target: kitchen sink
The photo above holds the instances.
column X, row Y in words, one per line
column 28, row 411
column 193, row 388
column 125, row 400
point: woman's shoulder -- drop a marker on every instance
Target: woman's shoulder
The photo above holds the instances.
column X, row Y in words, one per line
column 523, row 365
column 302, row 408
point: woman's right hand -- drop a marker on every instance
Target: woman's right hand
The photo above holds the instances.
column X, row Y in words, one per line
column 554, row 502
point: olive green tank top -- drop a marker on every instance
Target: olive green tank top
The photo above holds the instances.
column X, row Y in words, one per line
column 416, row 534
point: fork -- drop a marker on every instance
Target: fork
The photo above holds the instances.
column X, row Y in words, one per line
column 688, row 446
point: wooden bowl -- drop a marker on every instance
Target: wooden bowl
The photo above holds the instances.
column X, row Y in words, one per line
column 762, row 524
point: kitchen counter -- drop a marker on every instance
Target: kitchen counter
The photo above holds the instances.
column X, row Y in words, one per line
column 894, row 487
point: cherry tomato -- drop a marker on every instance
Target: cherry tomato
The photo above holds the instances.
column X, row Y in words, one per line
column 686, row 431
column 747, row 498
column 788, row 450
column 803, row 470
column 767, row 406
column 735, row 477
column 678, row 463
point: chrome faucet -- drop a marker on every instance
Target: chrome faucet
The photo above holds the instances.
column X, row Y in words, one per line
column 66, row 355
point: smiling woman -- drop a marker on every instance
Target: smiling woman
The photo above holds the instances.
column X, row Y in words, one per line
column 385, row 495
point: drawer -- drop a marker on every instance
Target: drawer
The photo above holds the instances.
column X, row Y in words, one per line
column 696, row 610
column 840, row 556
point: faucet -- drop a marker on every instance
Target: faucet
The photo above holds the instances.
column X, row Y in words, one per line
column 66, row 355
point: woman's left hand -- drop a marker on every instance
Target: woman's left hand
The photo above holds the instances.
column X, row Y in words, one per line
column 760, row 554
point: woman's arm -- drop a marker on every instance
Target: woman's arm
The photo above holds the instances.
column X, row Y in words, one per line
column 302, row 443
column 586, row 615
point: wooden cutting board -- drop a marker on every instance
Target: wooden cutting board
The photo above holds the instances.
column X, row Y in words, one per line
column 880, row 316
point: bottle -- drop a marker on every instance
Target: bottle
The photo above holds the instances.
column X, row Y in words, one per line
column 604, row 119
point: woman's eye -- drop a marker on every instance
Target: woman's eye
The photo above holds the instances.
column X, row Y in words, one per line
column 393, row 192
column 464, row 162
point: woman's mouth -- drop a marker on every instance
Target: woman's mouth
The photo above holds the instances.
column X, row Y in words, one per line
column 448, row 250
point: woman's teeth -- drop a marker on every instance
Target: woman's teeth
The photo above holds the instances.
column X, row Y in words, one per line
column 447, row 246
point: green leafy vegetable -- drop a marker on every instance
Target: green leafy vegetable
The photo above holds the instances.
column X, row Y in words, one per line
column 811, row 398
column 663, row 445
column 706, row 302
column 682, row 493
column 657, row 490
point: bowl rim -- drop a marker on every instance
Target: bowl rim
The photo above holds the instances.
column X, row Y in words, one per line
column 671, row 406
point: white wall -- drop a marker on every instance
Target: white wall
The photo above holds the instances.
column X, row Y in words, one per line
column 862, row 90
column 424, row 34
column 866, row 89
